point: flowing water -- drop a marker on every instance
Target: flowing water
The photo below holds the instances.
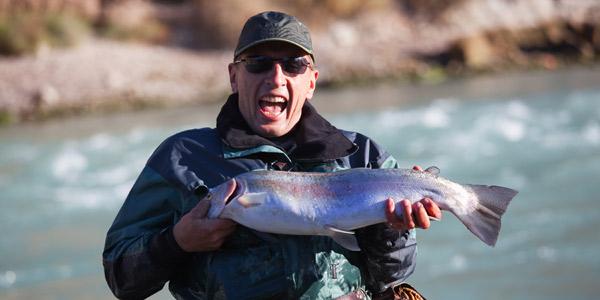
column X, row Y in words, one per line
column 61, row 184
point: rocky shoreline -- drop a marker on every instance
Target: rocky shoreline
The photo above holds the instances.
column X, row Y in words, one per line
column 103, row 76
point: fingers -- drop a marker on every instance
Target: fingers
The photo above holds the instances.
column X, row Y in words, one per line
column 432, row 208
column 390, row 212
column 200, row 234
column 215, row 234
column 407, row 212
column 224, row 226
column 417, row 168
column 425, row 210
column 413, row 215
column 420, row 216
column 194, row 232
column 393, row 221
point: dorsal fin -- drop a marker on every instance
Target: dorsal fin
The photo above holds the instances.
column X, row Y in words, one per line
column 433, row 170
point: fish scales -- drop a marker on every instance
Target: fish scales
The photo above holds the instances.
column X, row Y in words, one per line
column 334, row 204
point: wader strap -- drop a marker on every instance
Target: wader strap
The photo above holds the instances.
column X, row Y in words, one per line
column 403, row 291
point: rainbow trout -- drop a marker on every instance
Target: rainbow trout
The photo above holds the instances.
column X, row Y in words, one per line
column 334, row 204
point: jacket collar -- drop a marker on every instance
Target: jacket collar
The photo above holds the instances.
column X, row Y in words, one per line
column 316, row 138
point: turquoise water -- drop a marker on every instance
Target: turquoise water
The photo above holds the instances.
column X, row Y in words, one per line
column 61, row 185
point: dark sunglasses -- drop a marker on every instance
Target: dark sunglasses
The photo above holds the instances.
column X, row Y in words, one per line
column 260, row 64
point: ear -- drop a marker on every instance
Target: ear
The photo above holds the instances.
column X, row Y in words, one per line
column 233, row 78
column 312, row 85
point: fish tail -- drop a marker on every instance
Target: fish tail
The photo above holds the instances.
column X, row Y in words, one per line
column 484, row 220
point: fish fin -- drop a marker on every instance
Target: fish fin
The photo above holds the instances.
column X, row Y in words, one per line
column 433, row 170
column 252, row 199
column 335, row 229
column 485, row 219
column 345, row 238
column 347, row 241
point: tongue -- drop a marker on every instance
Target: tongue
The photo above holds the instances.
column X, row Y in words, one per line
column 272, row 108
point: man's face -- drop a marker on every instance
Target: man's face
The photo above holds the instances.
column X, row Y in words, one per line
column 271, row 102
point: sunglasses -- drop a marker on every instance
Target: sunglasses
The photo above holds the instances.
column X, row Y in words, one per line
column 261, row 64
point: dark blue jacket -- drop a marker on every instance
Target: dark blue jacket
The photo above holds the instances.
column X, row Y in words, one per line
column 141, row 255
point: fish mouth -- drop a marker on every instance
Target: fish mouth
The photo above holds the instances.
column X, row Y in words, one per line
column 234, row 191
column 220, row 197
column 237, row 189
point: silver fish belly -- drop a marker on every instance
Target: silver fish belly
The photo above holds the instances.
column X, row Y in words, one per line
column 334, row 204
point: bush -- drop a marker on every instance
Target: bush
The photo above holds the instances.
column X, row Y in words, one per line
column 152, row 32
column 25, row 32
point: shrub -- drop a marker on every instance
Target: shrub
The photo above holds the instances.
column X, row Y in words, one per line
column 25, row 32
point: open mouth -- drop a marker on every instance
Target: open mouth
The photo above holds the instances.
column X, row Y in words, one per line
column 272, row 106
column 235, row 190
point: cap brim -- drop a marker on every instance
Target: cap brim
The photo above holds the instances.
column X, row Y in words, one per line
column 241, row 50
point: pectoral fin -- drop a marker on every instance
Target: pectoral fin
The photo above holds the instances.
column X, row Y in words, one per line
column 252, row 199
column 343, row 237
column 335, row 229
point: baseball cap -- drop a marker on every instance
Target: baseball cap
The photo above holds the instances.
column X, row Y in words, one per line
column 274, row 26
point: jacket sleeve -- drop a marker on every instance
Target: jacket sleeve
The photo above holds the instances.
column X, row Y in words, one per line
column 140, row 253
column 389, row 256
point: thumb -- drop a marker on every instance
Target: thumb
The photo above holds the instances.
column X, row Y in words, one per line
column 200, row 210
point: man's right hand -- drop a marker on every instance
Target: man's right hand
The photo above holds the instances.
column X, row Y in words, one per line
column 195, row 233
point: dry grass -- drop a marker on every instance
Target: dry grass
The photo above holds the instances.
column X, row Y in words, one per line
column 27, row 32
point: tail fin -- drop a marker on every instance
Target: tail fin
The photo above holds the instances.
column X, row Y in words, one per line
column 484, row 221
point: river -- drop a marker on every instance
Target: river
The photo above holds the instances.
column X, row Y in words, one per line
column 62, row 182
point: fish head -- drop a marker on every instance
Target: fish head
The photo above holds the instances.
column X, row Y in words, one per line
column 220, row 196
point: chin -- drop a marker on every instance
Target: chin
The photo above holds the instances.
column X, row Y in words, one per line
column 272, row 133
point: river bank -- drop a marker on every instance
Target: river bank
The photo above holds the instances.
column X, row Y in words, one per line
column 328, row 101
column 100, row 76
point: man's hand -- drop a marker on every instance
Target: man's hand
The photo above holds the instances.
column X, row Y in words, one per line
column 415, row 215
column 195, row 233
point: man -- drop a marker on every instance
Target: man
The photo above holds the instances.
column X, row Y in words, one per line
column 161, row 233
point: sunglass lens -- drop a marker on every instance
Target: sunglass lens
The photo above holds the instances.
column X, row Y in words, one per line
column 258, row 64
column 291, row 65
column 294, row 65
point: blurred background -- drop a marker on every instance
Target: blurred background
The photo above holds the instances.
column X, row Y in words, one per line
column 503, row 92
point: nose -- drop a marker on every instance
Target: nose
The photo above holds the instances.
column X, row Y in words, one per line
column 276, row 77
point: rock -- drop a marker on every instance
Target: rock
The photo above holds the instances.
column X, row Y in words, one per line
column 477, row 52
column 48, row 95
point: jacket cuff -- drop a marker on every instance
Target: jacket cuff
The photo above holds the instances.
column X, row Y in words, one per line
column 165, row 250
column 389, row 255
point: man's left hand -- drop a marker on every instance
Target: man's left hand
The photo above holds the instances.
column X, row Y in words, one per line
column 415, row 215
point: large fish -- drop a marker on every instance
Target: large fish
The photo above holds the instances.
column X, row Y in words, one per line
column 334, row 204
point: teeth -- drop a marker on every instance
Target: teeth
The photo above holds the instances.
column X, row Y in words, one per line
column 273, row 99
